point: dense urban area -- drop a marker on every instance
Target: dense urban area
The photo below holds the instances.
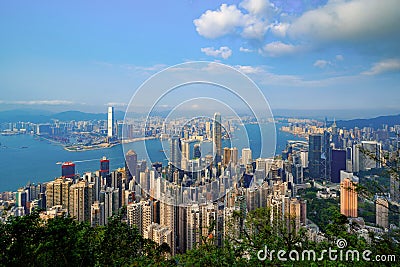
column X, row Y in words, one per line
column 218, row 202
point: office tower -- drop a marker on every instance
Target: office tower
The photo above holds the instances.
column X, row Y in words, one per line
column 21, row 199
column 338, row 164
column 326, row 157
column 234, row 156
column 131, row 165
column 208, row 130
column 196, row 151
column 217, row 138
column 110, row 122
column 227, row 156
column 349, row 159
column 246, row 156
column 80, row 200
column 97, row 214
column 382, row 212
column 370, row 155
column 57, row 193
column 314, row 155
column 175, row 148
column 104, row 167
column 304, row 158
column 68, row 170
column 356, row 157
column 348, row 194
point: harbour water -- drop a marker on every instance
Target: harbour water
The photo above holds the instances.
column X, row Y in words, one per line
column 27, row 158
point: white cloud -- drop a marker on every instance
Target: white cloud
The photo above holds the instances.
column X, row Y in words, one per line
column 225, row 20
column 339, row 57
column 387, row 65
column 229, row 19
column 245, row 50
column 279, row 29
column 255, row 28
column 223, row 52
column 356, row 20
column 256, row 7
column 276, row 49
column 249, row 69
column 320, row 63
column 44, row 102
column 116, row 104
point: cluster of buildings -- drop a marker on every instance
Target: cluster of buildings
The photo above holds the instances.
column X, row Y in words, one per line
column 339, row 156
column 206, row 191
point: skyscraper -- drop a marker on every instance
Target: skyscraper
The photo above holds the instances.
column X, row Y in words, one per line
column 314, row 155
column 370, row 155
column 217, row 138
column 110, row 122
column 338, row 164
column 348, row 194
column 131, row 164
column 175, row 152
column 247, row 156
column 104, row 167
column 68, row 170
column 382, row 212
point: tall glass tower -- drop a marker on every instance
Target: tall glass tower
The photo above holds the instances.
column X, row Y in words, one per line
column 217, row 137
column 110, row 122
column 314, row 155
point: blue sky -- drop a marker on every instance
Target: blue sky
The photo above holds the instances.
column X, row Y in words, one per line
column 306, row 55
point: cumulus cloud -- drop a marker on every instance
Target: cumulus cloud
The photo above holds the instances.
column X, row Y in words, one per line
column 223, row 52
column 320, row 63
column 229, row 19
column 275, row 49
column 279, row 29
column 356, row 20
column 256, row 7
column 225, row 20
column 387, row 65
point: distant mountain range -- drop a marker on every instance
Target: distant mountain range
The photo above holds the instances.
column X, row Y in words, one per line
column 373, row 122
column 42, row 116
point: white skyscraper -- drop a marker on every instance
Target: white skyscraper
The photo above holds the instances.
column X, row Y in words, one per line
column 110, row 122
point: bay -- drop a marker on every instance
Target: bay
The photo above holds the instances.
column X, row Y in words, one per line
column 27, row 158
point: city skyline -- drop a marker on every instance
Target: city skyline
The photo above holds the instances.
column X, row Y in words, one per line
column 71, row 56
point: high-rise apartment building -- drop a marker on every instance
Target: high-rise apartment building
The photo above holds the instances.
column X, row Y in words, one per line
column 382, row 212
column 348, row 194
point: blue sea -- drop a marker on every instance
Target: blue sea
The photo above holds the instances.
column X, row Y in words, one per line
column 27, row 158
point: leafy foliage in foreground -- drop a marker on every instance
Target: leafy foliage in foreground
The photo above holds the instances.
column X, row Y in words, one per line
column 28, row 241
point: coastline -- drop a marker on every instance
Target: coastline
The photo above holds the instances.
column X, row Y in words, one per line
column 82, row 148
